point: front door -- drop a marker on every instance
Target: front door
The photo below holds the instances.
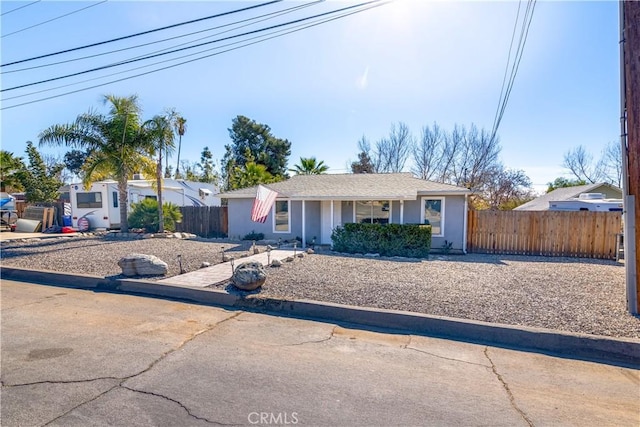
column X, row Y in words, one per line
column 325, row 223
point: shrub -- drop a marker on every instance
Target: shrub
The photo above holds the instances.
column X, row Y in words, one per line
column 145, row 215
column 253, row 236
column 408, row 240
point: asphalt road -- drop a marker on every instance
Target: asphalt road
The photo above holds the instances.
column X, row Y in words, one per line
column 81, row 358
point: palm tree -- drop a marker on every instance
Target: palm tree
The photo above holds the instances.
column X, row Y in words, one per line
column 160, row 134
column 10, row 168
column 117, row 148
column 180, row 126
column 309, row 166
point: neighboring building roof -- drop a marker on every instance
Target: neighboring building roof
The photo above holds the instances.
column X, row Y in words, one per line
column 389, row 186
column 542, row 203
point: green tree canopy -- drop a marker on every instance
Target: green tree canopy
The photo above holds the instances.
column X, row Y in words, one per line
column 309, row 166
column 253, row 142
column 41, row 183
column 116, row 144
column 10, row 168
column 563, row 183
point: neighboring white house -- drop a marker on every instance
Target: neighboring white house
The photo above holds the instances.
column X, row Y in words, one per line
column 587, row 202
column 311, row 206
column 543, row 202
column 100, row 204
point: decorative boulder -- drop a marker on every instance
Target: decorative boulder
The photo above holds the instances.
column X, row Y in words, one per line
column 249, row 276
column 205, row 264
column 310, row 251
column 142, row 265
column 276, row 263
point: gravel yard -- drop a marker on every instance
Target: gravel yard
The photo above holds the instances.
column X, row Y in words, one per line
column 576, row 295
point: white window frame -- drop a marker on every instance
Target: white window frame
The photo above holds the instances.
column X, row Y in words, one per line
column 353, row 217
column 273, row 216
column 442, row 217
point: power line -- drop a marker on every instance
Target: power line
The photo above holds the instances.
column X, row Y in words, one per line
column 141, row 33
column 129, row 61
column 507, row 85
column 52, row 19
column 257, row 19
column 286, row 31
column 372, row 6
column 21, row 7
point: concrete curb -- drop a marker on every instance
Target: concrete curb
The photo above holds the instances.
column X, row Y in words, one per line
column 601, row 349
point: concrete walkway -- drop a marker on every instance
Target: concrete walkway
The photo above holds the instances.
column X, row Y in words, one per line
column 222, row 272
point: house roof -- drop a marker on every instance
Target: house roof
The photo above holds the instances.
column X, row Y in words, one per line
column 390, row 186
column 542, row 203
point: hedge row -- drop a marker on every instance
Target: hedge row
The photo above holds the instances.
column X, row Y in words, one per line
column 406, row 240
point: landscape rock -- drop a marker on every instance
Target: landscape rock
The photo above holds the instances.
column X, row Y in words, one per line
column 142, row 265
column 205, row 264
column 276, row 263
column 249, row 276
column 300, row 255
column 310, row 251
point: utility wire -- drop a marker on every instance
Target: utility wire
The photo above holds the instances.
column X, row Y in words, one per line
column 53, row 19
column 21, row 7
column 141, row 33
column 257, row 19
column 172, row 59
column 507, row 85
column 116, row 64
column 378, row 4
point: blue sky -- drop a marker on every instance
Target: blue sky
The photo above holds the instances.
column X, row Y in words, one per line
column 322, row 88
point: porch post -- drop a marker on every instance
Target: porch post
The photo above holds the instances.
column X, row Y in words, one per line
column 464, row 228
column 331, row 210
column 401, row 211
column 390, row 211
column 304, row 225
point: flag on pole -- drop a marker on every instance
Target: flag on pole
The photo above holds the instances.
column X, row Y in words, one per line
column 265, row 198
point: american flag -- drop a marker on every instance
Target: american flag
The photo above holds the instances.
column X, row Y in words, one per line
column 262, row 204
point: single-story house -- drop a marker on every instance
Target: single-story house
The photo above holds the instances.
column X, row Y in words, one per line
column 559, row 194
column 309, row 207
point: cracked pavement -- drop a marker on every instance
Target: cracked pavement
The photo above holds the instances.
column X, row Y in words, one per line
column 82, row 358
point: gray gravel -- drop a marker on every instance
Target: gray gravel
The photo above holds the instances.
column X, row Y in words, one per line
column 570, row 294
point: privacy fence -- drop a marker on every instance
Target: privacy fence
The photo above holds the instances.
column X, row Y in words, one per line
column 548, row 233
column 207, row 221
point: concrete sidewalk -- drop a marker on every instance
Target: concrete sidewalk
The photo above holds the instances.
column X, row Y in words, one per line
column 222, row 272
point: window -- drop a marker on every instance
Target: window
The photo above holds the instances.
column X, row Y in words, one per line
column 89, row 200
column 115, row 199
column 281, row 216
column 151, row 197
column 433, row 213
column 376, row 211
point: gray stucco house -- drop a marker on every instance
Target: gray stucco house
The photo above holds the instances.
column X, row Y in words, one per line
column 311, row 206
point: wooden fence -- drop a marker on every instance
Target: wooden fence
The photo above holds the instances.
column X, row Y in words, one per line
column 207, row 221
column 549, row 233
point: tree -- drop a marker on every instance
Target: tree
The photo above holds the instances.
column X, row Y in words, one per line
column 207, row 165
column 160, row 134
column 392, row 152
column 117, row 148
column 251, row 174
column 74, row 161
column 10, row 168
column 41, row 183
column 561, row 182
column 505, row 189
column 253, row 142
column 310, row 166
column 180, row 126
column 364, row 163
column 582, row 165
column 429, row 152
